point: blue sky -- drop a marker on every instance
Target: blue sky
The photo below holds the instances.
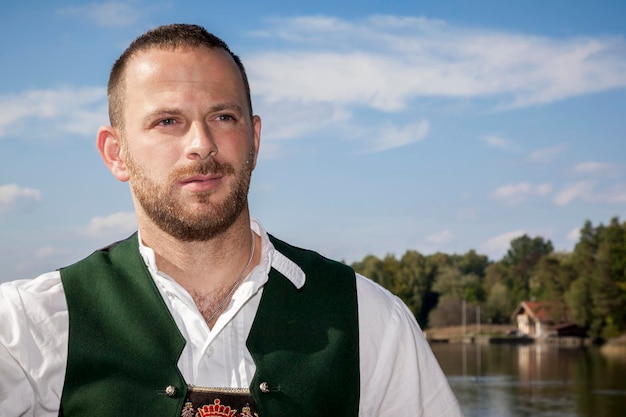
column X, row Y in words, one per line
column 387, row 126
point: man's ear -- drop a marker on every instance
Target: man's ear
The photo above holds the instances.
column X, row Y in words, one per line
column 109, row 144
column 256, row 128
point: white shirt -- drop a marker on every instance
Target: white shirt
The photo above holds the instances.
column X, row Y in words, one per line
column 399, row 373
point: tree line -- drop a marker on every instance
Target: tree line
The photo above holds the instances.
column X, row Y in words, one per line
column 586, row 286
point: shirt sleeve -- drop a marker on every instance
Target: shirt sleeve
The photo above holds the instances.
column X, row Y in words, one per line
column 399, row 373
column 16, row 393
column 33, row 346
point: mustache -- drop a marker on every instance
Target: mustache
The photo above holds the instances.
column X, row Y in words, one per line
column 209, row 166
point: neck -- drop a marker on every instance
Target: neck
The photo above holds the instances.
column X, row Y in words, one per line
column 201, row 267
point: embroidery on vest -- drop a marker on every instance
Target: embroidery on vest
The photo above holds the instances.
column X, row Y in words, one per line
column 218, row 402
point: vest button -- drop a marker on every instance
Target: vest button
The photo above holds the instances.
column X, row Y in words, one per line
column 170, row 391
column 264, row 387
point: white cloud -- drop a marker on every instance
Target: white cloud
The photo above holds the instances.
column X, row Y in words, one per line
column 65, row 110
column 592, row 192
column 513, row 194
column 285, row 120
column 292, row 119
column 107, row 14
column 353, row 78
column 543, row 189
column 497, row 246
column 114, row 224
column 13, row 197
column 389, row 136
column 545, row 155
column 498, row 142
column 384, row 62
column 596, row 168
column 579, row 190
column 322, row 72
column 573, row 234
column 443, row 237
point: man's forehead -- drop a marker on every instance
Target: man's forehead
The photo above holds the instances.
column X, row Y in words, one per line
column 155, row 73
column 159, row 61
column 157, row 51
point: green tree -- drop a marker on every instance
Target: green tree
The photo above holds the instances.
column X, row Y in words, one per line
column 608, row 297
column 448, row 282
column 589, row 284
column 597, row 297
column 579, row 302
column 414, row 283
column 494, row 274
column 579, row 295
column 498, row 308
column 549, row 281
column 520, row 259
column 473, row 263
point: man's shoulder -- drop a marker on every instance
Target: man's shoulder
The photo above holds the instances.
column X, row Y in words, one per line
column 45, row 283
column 37, row 304
column 37, row 298
column 308, row 259
column 374, row 294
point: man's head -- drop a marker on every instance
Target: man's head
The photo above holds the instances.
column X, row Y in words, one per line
column 163, row 37
column 182, row 132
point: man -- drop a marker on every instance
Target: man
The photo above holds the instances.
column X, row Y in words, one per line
column 202, row 312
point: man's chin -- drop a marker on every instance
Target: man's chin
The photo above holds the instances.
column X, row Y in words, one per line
column 199, row 225
column 195, row 233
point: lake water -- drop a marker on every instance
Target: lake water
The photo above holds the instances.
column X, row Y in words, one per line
column 535, row 380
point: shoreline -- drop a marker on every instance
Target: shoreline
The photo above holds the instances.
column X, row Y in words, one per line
column 500, row 333
column 456, row 334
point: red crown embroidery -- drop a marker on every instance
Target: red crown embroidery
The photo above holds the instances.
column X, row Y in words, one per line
column 216, row 410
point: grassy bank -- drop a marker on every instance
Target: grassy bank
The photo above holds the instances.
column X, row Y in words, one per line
column 456, row 333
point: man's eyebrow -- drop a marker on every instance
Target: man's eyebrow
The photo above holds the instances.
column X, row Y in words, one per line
column 227, row 106
column 163, row 112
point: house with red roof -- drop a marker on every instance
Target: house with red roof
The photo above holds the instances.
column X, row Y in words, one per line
column 542, row 319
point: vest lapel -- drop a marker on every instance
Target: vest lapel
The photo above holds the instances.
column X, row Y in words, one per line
column 305, row 341
column 124, row 344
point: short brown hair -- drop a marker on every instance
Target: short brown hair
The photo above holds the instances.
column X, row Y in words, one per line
column 167, row 36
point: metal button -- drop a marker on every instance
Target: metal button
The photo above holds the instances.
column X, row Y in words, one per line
column 170, row 391
column 264, row 387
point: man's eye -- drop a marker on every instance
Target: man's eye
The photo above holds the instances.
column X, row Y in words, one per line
column 225, row 118
column 167, row 122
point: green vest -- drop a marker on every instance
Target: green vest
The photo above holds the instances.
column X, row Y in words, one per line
column 124, row 344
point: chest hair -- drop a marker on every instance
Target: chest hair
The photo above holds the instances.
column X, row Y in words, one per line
column 209, row 302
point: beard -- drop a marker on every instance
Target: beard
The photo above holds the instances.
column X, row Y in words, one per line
column 177, row 218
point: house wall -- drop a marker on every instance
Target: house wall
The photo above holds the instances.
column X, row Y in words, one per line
column 524, row 324
column 530, row 327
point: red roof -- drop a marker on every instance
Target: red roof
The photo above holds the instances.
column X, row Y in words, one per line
column 542, row 311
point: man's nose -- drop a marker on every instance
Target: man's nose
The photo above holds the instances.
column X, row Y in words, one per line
column 201, row 142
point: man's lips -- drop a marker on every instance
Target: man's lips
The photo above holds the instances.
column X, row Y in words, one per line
column 202, row 178
column 198, row 183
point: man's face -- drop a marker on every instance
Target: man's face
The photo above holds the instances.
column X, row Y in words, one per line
column 189, row 142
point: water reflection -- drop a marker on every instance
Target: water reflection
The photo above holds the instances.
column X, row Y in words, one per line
column 531, row 380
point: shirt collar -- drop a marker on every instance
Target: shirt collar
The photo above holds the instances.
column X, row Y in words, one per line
column 270, row 258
